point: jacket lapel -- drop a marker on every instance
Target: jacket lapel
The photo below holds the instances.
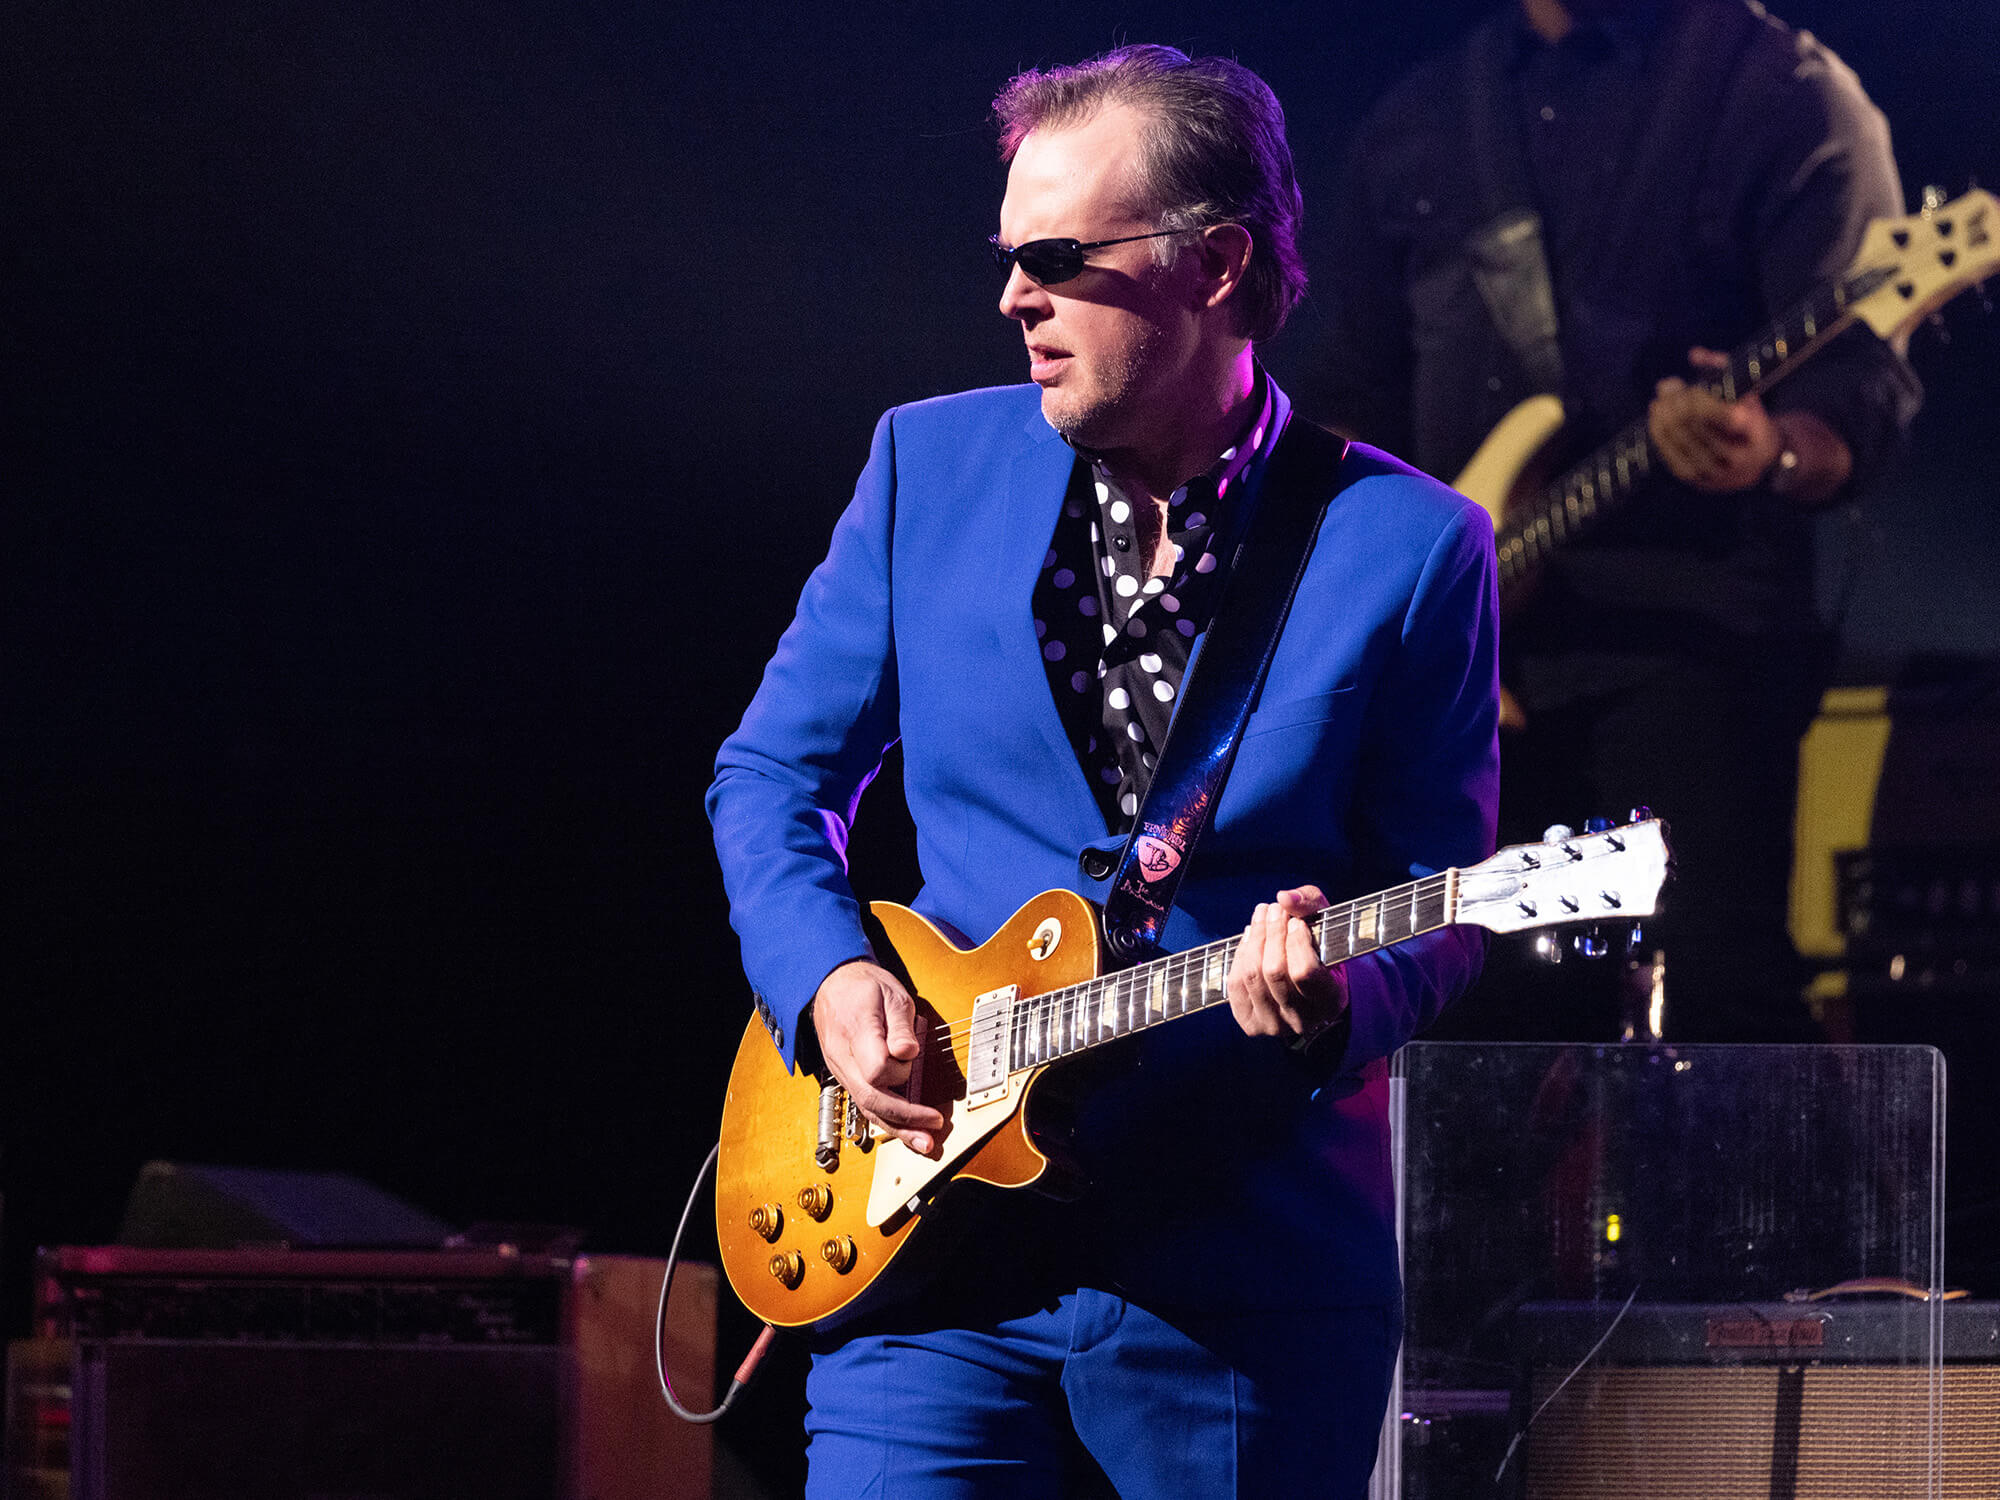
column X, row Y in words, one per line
column 1038, row 480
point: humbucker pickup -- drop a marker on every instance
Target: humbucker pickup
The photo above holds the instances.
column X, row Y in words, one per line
column 986, row 1050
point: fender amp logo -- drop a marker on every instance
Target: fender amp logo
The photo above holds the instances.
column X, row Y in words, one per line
column 1766, row 1333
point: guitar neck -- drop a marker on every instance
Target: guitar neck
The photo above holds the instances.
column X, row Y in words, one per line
column 1595, row 488
column 1064, row 1022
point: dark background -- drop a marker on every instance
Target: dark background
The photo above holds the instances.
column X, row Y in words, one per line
column 419, row 421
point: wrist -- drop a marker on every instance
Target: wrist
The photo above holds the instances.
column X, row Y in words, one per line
column 1321, row 1049
column 1781, row 474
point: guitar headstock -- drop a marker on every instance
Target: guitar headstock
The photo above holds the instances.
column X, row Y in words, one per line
column 1603, row 875
column 1908, row 267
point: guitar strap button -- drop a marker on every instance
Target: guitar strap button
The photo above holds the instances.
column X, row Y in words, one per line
column 1097, row 864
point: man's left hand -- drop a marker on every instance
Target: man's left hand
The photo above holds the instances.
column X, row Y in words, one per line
column 1277, row 984
column 1709, row 443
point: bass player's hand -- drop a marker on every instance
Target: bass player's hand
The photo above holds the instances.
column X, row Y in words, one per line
column 1725, row 448
column 1277, row 984
column 868, row 1030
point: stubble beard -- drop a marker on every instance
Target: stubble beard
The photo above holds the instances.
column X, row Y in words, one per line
column 1102, row 417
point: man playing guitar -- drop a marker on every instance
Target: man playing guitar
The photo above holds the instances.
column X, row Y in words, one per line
column 1016, row 592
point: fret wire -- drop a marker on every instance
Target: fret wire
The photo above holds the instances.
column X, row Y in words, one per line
column 1056, row 1024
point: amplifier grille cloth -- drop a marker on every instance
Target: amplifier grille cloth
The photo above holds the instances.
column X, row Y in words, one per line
column 1707, row 1433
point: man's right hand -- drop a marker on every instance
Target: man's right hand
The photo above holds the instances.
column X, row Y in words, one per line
column 867, row 1026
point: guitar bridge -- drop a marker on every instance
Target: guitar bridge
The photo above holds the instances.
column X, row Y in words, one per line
column 986, row 1050
column 832, row 1109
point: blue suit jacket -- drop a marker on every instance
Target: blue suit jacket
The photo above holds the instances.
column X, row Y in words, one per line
column 1369, row 759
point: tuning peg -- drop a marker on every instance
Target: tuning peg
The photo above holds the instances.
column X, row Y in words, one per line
column 1640, row 814
column 1591, row 944
column 1933, row 199
column 1555, row 833
column 1549, row 947
column 1596, row 825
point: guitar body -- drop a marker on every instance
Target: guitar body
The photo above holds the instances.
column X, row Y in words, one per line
column 1512, row 457
column 811, row 1210
column 837, row 1228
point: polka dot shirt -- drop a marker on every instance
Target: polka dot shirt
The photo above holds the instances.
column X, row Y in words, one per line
column 1115, row 639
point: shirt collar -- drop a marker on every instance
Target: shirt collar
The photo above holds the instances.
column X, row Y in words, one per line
column 1253, row 443
column 1627, row 32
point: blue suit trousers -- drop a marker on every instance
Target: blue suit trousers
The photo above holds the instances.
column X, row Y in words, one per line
column 1238, row 1406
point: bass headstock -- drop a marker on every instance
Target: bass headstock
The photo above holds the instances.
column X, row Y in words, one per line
column 1906, row 268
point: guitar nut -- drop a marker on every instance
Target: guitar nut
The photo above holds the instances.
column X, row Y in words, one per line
column 839, row 1253
column 816, row 1200
column 789, row 1267
column 767, row 1220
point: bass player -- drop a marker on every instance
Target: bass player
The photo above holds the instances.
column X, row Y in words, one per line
column 1590, row 197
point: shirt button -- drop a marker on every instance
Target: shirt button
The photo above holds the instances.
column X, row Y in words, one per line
column 1548, row 112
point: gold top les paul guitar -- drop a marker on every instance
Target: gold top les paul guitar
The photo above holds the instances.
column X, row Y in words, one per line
column 812, row 1208
column 1906, row 268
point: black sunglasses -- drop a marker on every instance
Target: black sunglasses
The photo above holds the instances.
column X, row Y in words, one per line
column 1047, row 262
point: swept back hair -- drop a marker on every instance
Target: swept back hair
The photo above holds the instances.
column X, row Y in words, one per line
column 1213, row 152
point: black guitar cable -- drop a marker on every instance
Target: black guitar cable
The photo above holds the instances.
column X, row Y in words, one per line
column 750, row 1361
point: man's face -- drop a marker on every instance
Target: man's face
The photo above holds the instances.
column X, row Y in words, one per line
column 1111, row 348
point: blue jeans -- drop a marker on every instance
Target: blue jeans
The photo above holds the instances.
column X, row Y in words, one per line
column 1250, row 1405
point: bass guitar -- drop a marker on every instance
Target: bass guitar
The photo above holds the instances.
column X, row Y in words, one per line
column 813, row 1208
column 1906, row 269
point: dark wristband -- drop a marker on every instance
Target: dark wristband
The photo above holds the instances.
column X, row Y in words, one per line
column 1320, row 1054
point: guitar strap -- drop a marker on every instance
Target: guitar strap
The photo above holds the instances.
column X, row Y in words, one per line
column 1506, row 254
column 1307, row 469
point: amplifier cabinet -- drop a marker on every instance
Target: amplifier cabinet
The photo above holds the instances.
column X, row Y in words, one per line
column 1791, row 1401
column 316, row 1375
column 167, row 1420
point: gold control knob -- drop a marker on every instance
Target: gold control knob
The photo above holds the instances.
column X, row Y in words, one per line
column 789, row 1267
column 816, row 1202
column 768, row 1220
column 839, row 1253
